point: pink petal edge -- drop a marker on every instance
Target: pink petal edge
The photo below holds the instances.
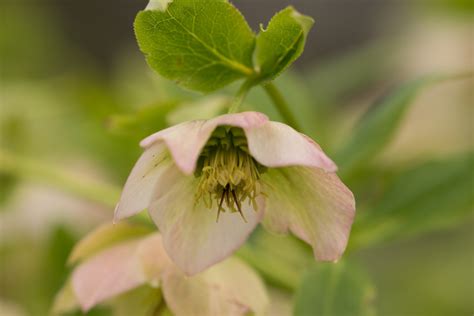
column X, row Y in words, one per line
column 186, row 140
column 138, row 189
column 275, row 144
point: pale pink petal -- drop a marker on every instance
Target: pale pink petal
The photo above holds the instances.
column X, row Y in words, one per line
column 186, row 140
column 153, row 258
column 316, row 206
column 228, row 288
column 105, row 236
column 275, row 144
column 111, row 272
column 138, row 189
column 191, row 235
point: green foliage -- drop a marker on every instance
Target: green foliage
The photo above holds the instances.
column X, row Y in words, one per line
column 278, row 46
column 377, row 127
column 425, row 276
column 430, row 196
column 65, row 300
column 8, row 183
column 273, row 262
column 339, row 77
column 463, row 7
column 42, row 49
column 144, row 122
column 59, row 246
column 334, row 81
column 142, row 301
column 203, row 109
column 206, row 45
column 33, row 271
column 202, row 45
column 334, row 290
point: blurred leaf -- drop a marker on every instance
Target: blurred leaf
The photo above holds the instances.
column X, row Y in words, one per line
column 334, row 289
column 464, row 7
column 65, row 300
column 425, row 276
column 203, row 45
column 94, row 102
column 151, row 119
column 144, row 122
column 8, row 183
column 57, row 251
column 76, row 183
column 376, row 128
column 42, row 49
column 295, row 89
column 280, row 259
column 54, row 271
column 142, row 301
column 134, row 83
column 344, row 75
column 106, row 236
column 430, row 196
column 13, row 127
column 202, row 109
column 278, row 46
column 333, row 81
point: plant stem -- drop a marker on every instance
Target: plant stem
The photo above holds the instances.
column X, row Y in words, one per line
column 281, row 105
column 67, row 181
column 240, row 96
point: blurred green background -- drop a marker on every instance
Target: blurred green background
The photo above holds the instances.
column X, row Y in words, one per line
column 76, row 97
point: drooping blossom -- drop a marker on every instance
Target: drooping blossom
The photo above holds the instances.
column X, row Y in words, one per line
column 208, row 183
column 228, row 288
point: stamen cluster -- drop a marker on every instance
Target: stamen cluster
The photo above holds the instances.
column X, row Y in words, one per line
column 227, row 172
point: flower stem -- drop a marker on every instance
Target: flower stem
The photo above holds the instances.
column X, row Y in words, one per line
column 31, row 169
column 240, row 96
column 281, row 105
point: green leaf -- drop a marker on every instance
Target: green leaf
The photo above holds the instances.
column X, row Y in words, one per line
column 377, row 127
column 282, row 42
column 334, row 290
column 427, row 197
column 202, row 45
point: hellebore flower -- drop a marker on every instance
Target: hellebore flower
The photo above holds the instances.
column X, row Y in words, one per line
column 228, row 288
column 208, row 183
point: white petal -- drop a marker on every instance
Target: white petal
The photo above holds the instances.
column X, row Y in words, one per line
column 111, row 272
column 316, row 206
column 275, row 144
column 138, row 189
column 228, row 288
column 153, row 258
column 191, row 235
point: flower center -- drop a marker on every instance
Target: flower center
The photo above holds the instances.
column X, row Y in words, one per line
column 227, row 172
